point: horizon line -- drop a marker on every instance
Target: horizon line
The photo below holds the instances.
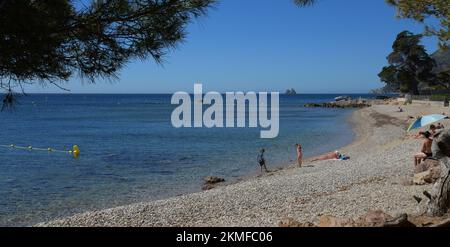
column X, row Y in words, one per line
column 114, row 93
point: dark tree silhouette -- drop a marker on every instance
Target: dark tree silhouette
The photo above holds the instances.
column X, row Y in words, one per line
column 409, row 64
column 48, row 41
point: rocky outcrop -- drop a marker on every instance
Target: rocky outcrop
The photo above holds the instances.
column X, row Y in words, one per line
column 374, row 218
column 330, row 221
column 427, row 177
column 426, row 165
column 290, row 222
column 345, row 104
column 291, row 92
column 440, row 193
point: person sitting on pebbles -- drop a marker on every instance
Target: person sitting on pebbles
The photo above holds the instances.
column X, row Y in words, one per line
column 425, row 151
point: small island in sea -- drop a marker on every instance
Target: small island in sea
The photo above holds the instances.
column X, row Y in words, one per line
column 290, row 91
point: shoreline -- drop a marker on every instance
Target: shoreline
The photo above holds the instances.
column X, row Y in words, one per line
column 372, row 179
column 278, row 167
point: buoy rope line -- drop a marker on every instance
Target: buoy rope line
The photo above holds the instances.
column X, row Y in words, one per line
column 75, row 152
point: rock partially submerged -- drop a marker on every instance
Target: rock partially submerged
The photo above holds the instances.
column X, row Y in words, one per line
column 340, row 104
column 211, row 182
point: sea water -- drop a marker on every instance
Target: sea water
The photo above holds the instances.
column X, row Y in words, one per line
column 130, row 152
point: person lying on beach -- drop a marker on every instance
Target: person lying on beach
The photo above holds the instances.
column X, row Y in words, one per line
column 261, row 160
column 440, row 126
column 299, row 154
column 425, row 151
column 336, row 155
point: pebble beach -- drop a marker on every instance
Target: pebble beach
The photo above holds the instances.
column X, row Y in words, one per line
column 377, row 177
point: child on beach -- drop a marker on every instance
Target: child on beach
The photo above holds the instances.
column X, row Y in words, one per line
column 261, row 160
column 299, row 154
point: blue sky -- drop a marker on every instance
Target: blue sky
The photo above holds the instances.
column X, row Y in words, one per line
column 335, row 46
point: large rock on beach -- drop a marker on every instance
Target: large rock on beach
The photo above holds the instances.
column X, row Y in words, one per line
column 330, row 221
column 376, row 218
column 419, row 178
column 435, row 174
column 439, row 203
column 427, row 172
column 211, row 182
column 373, row 218
column 427, row 177
column 290, row 222
column 426, row 165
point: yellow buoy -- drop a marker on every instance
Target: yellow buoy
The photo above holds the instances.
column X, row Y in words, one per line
column 75, row 151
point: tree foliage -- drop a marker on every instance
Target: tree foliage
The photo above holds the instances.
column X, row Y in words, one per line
column 423, row 10
column 409, row 65
column 50, row 40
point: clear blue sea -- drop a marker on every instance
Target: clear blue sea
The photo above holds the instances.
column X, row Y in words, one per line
column 130, row 152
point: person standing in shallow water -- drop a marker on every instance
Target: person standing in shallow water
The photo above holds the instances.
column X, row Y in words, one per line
column 262, row 160
column 299, row 154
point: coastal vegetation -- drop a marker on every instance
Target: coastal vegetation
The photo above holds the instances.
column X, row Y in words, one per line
column 425, row 11
column 409, row 65
column 412, row 70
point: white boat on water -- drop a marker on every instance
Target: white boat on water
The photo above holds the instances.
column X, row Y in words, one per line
column 342, row 98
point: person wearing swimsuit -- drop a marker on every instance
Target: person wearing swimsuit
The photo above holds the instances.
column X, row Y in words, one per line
column 262, row 161
column 425, row 152
column 299, row 154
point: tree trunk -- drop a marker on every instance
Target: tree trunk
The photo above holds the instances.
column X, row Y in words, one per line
column 414, row 90
column 440, row 193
